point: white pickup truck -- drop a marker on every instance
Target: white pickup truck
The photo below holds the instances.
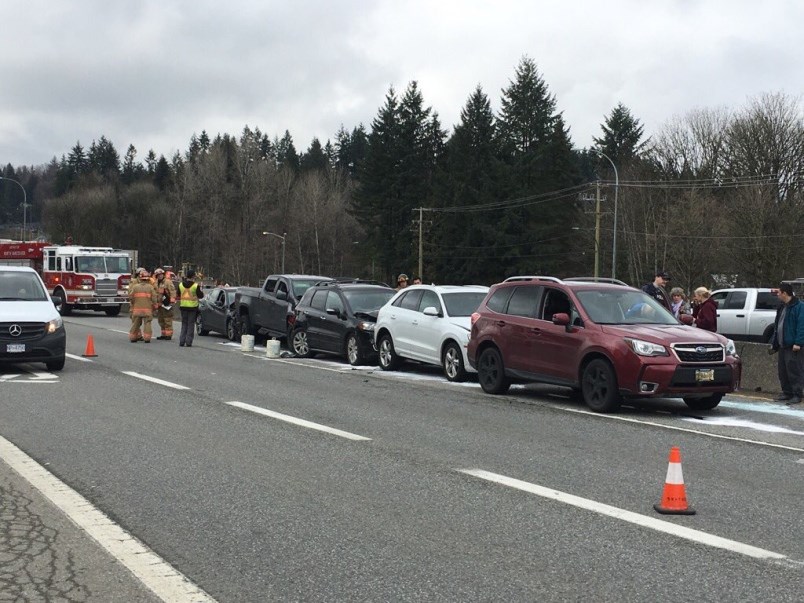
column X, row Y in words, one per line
column 746, row 313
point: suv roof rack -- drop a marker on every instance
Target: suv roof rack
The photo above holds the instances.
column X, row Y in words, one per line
column 597, row 279
column 532, row 278
column 349, row 281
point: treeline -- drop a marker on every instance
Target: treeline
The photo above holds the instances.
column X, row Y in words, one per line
column 715, row 196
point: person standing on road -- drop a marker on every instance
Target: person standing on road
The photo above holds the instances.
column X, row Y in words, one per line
column 142, row 298
column 166, row 294
column 189, row 294
column 656, row 289
column 704, row 310
column 788, row 339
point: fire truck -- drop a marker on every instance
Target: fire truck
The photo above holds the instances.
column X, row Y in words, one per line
column 77, row 277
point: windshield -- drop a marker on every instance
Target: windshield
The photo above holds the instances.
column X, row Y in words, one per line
column 94, row 264
column 368, row 300
column 463, row 303
column 21, row 286
column 624, row 307
column 300, row 286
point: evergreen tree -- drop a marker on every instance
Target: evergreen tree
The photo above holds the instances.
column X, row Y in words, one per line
column 150, row 162
column 104, row 160
column 162, row 173
column 131, row 168
column 286, row 154
column 622, row 136
column 203, row 141
column 314, row 158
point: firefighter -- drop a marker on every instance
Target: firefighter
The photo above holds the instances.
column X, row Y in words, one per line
column 189, row 294
column 135, row 278
column 166, row 297
column 142, row 297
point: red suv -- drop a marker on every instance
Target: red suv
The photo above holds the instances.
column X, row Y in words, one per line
column 605, row 340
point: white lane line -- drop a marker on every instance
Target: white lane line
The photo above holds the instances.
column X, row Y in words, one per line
column 629, row 516
column 285, row 361
column 300, row 422
column 114, row 330
column 154, row 572
column 673, row 428
column 81, row 358
column 154, row 380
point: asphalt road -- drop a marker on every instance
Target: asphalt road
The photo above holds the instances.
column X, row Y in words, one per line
column 401, row 489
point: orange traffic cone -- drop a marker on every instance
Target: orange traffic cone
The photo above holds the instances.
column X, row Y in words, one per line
column 90, row 351
column 674, row 497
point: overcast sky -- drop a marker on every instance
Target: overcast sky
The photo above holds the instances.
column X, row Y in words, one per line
column 153, row 72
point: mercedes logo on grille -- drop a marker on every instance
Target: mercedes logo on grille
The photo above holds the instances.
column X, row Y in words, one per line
column 700, row 349
column 15, row 330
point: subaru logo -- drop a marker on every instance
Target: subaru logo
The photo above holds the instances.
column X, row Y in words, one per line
column 15, row 330
column 700, row 349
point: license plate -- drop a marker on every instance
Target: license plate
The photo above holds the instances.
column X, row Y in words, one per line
column 704, row 374
column 15, row 348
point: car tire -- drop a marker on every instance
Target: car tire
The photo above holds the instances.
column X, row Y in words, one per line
column 62, row 306
column 113, row 311
column 354, row 354
column 56, row 364
column 199, row 327
column 388, row 359
column 491, row 372
column 452, row 363
column 599, row 386
column 299, row 344
column 707, row 403
column 231, row 330
column 245, row 325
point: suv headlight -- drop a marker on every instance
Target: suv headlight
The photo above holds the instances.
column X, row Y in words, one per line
column 365, row 326
column 54, row 325
column 646, row 348
column 731, row 349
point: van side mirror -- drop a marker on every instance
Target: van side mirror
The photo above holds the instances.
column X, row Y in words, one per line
column 561, row 319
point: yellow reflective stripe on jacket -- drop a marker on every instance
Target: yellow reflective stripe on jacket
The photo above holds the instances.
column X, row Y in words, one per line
column 189, row 297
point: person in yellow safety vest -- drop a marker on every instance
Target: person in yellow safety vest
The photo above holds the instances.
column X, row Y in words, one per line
column 134, row 280
column 189, row 294
column 166, row 297
column 142, row 298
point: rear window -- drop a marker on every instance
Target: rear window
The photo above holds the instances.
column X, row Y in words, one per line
column 463, row 303
column 524, row 301
column 498, row 299
column 21, row 286
column 301, row 286
column 767, row 301
column 410, row 300
column 735, row 301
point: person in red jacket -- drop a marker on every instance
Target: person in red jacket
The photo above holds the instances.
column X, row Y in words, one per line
column 704, row 310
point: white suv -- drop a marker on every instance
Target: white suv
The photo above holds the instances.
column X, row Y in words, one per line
column 430, row 324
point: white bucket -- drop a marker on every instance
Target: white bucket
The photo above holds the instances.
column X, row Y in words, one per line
column 272, row 348
column 247, row 343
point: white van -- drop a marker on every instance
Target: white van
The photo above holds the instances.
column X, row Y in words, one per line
column 31, row 329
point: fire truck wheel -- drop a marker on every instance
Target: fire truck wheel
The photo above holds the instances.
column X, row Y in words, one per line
column 61, row 303
column 113, row 311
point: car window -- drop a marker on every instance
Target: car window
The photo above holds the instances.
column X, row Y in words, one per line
column 21, row 286
column 430, row 300
column 300, row 286
column 463, row 303
column 498, row 299
column 735, row 300
column 524, row 301
column 623, row 306
column 270, row 285
column 334, row 301
column 282, row 287
column 719, row 298
column 410, row 300
column 221, row 298
column 555, row 302
column 307, row 297
column 320, row 300
column 767, row 301
column 367, row 300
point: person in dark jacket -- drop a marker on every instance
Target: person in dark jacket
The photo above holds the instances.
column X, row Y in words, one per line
column 704, row 310
column 788, row 339
column 656, row 289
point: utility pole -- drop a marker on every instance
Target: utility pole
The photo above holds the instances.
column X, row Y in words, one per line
column 597, row 229
column 421, row 246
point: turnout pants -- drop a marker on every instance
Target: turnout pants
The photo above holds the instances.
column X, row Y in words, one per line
column 140, row 327
column 165, row 318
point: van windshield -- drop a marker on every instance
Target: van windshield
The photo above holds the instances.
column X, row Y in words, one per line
column 21, row 286
column 624, row 307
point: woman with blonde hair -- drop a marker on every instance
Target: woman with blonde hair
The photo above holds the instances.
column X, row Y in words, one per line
column 704, row 310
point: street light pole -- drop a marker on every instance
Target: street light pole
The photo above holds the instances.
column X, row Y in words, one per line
column 24, row 206
column 614, row 238
column 279, row 236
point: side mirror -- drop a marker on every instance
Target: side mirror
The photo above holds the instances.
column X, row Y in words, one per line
column 561, row 319
column 334, row 312
column 430, row 311
column 282, row 295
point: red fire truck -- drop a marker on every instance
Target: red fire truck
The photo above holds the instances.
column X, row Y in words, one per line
column 77, row 277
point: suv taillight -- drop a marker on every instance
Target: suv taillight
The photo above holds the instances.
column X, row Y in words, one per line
column 474, row 317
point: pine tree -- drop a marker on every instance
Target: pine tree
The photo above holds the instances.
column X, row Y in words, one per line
column 314, row 158
column 286, row 154
column 622, row 136
column 131, row 168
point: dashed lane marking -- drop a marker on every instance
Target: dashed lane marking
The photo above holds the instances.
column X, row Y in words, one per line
column 301, row 422
column 154, row 380
column 629, row 516
column 149, row 568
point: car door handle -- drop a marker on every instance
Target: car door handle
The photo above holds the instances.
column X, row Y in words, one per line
column 536, row 331
column 741, row 316
column 718, row 315
column 500, row 323
column 415, row 322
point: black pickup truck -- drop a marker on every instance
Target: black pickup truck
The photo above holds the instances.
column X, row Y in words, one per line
column 268, row 311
